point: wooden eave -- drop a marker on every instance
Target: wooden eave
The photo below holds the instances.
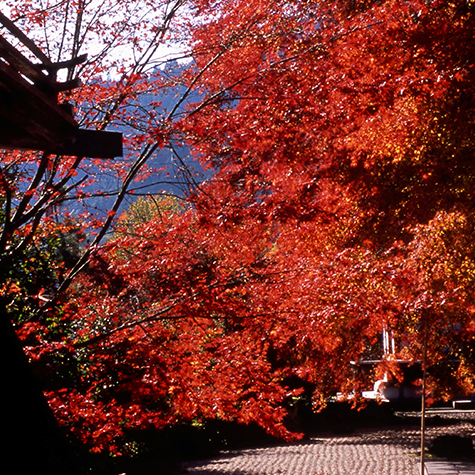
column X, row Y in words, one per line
column 30, row 116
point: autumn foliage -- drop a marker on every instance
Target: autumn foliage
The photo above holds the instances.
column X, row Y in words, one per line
column 339, row 138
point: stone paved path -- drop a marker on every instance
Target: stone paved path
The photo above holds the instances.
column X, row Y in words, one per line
column 357, row 455
column 391, row 451
column 444, row 467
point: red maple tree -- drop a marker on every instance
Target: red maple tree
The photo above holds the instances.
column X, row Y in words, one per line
column 355, row 118
column 340, row 139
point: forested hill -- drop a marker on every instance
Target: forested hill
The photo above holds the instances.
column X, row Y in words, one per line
column 171, row 170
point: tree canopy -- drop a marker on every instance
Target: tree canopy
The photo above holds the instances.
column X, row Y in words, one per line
column 338, row 139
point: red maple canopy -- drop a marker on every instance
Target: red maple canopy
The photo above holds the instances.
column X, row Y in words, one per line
column 339, row 139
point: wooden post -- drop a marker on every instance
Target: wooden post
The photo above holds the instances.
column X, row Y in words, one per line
column 423, row 400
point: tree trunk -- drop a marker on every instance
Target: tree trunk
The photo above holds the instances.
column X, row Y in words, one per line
column 32, row 442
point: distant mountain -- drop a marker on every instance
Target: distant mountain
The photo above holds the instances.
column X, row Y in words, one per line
column 177, row 170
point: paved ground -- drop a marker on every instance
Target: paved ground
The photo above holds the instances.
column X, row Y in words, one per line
column 444, row 467
column 392, row 451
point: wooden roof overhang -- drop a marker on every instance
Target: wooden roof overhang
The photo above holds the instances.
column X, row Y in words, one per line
column 30, row 116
